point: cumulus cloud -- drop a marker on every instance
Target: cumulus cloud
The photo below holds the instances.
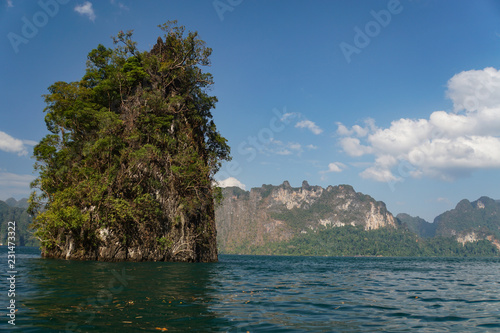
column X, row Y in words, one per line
column 231, row 182
column 335, row 167
column 380, row 170
column 86, row 9
column 310, row 125
column 447, row 145
column 10, row 144
column 353, row 147
column 475, row 90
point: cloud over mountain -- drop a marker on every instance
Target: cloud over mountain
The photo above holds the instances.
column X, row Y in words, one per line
column 230, row 182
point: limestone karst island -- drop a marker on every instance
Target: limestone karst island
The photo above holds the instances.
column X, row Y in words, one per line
column 126, row 172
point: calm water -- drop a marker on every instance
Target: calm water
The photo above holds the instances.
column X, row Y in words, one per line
column 255, row 294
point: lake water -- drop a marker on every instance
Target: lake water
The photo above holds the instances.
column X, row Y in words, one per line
column 254, row 294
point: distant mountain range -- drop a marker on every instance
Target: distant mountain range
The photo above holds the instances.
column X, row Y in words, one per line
column 335, row 220
column 467, row 222
column 281, row 219
column 15, row 211
column 21, row 203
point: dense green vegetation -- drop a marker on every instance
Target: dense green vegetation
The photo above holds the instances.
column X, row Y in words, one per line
column 132, row 148
column 482, row 215
column 9, row 212
column 354, row 241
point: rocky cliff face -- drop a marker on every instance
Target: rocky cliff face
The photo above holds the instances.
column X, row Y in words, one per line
column 471, row 221
column 278, row 213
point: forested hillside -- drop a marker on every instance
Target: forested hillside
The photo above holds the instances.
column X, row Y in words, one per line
column 15, row 211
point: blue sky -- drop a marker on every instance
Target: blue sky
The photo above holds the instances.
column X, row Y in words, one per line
column 400, row 99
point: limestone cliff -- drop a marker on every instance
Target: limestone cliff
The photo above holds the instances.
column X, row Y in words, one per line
column 126, row 172
column 277, row 213
column 471, row 221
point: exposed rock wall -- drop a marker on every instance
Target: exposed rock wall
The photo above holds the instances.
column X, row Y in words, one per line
column 278, row 213
column 468, row 238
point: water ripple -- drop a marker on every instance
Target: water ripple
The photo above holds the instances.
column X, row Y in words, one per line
column 259, row 294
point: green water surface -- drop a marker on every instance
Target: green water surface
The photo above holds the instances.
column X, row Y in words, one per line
column 255, row 294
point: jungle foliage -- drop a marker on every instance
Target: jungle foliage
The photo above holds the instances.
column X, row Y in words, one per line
column 355, row 241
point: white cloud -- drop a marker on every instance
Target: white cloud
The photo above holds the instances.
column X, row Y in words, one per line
column 230, row 182
column 356, row 129
column 87, row 10
column 30, row 142
column 14, row 185
column 475, row 90
column 353, row 147
column 13, row 145
column 333, row 167
column 336, row 167
column 283, row 152
column 310, row 126
column 447, row 145
column 380, row 170
column 280, row 148
column 295, row 146
column 289, row 115
column 9, row 3
column 379, row 174
column 343, row 130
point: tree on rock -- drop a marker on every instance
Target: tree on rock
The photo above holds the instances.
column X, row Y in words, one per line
column 126, row 172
